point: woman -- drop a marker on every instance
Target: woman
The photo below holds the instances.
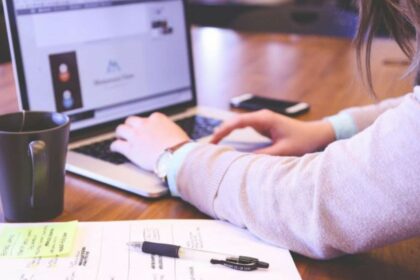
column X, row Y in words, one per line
column 357, row 194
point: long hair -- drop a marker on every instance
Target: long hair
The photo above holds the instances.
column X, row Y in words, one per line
column 402, row 19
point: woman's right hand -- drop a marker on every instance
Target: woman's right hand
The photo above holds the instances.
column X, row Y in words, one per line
column 290, row 137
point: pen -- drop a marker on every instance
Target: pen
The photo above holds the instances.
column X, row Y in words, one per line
column 174, row 251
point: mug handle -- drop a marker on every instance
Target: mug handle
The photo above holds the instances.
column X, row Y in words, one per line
column 38, row 156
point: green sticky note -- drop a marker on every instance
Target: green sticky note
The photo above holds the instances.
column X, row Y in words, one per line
column 47, row 240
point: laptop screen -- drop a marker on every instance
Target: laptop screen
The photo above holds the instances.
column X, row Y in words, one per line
column 99, row 61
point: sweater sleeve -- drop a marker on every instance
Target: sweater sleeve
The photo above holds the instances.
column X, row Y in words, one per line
column 351, row 121
column 356, row 195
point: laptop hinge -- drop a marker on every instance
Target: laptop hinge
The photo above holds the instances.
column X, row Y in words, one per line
column 174, row 111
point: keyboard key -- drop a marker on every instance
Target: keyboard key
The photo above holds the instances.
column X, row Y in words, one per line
column 101, row 150
column 198, row 126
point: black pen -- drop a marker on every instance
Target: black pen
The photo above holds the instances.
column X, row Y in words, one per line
column 169, row 250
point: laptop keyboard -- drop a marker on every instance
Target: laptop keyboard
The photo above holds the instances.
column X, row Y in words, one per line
column 196, row 127
column 101, row 150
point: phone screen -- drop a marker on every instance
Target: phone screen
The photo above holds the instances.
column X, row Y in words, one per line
column 257, row 103
column 254, row 103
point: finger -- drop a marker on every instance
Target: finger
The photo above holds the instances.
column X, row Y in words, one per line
column 254, row 120
column 218, row 135
column 135, row 122
column 120, row 146
column 124, row 132
column 227, row 127
column 157, row 116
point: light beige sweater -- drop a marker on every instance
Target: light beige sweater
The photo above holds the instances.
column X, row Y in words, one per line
column 357, row 194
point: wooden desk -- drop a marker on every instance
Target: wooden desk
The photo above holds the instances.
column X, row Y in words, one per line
column 321, row 71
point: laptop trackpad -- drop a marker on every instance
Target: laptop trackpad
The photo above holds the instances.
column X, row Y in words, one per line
column 246, row 140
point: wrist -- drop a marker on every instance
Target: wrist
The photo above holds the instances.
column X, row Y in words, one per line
column 173, row 148
column 324, row 131
column 164, row 160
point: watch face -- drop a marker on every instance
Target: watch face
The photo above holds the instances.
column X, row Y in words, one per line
column 162, row 165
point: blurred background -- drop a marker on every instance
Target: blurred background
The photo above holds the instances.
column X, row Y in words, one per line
column 322, row 17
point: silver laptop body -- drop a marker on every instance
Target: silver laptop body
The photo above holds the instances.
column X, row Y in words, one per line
column 101, row 61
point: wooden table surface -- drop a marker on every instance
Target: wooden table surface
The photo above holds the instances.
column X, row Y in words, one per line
column 320, row 71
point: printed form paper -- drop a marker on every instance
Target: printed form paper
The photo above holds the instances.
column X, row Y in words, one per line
column 100, row 252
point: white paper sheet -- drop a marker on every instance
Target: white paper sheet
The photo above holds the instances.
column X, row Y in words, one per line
column 100, row 252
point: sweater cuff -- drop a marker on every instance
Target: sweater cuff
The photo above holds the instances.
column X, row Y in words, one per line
column 176, row 163
column 343, row 125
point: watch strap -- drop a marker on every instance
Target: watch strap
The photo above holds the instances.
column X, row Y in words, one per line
column 177, row 146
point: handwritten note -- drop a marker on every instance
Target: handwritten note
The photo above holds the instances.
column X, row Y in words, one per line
column 47, row 240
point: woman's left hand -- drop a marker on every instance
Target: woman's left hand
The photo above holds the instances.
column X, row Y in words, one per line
column 143, row 140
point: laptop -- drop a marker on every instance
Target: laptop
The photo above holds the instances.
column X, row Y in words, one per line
column 101, row 61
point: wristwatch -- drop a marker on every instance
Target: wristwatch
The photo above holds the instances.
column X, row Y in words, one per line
column 163, row 161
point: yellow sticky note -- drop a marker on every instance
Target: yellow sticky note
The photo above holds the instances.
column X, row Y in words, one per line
column 47, row 240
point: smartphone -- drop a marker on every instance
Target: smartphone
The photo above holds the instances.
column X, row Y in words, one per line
column 251, row 102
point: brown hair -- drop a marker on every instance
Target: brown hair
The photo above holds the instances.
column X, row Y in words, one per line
column 402, row 19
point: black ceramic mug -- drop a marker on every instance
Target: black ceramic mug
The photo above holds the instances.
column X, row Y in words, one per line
column 33, row 149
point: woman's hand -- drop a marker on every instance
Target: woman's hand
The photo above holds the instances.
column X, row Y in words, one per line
column 290, row 137
column 143, row 140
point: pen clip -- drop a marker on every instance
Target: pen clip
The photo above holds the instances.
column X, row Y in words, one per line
column 241, row 263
